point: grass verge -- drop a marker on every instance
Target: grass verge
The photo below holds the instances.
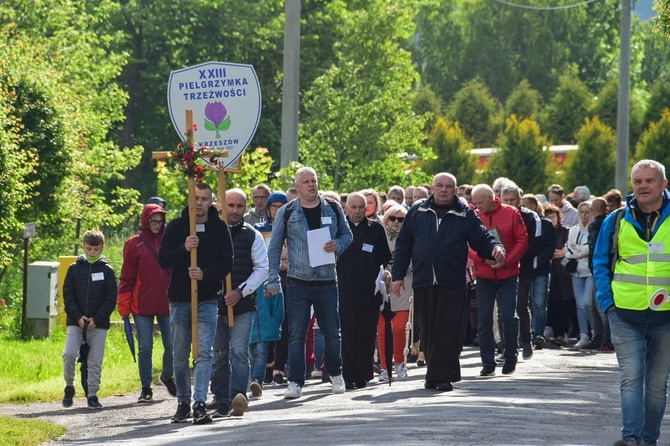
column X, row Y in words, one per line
column 27, row 432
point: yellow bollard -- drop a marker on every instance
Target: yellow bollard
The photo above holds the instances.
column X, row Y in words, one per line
column 65, row 262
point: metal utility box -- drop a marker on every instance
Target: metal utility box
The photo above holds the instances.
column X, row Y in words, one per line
column 42, row 298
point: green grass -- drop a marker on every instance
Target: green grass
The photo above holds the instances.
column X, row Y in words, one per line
column 27, row 432
column 32, row 370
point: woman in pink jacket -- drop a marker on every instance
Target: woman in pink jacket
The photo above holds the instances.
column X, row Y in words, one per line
column 143, row 292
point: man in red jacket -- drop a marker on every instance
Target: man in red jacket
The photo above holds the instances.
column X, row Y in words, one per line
column 497, row 281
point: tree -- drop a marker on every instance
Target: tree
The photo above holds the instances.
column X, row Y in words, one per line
column 452, row 151
column 659, row 100
column 655, row 141
column 662, row 7
column 593, row 164
column 606, row 108
column 358, row 117
column 474, row 108
column 522, row 155
column 425, row 101
column 568, row 108
column 523, row 101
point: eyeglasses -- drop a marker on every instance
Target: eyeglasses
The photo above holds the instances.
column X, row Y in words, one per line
column 156, row 222
column 393, row 219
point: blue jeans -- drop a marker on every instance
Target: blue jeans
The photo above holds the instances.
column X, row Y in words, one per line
column 318, row 348
column 180, row 323
column 145, row 339
column 644, row 359
column 324, row 297
column 230, row 374
column 258, row 354
column 539, row 293
column 504, row 291
column 582, row 287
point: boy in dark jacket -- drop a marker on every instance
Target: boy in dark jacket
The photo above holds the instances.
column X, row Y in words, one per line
column 89, row 293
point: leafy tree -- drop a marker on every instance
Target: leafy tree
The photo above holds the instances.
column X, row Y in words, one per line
column 655, row 141
column 425, row 101
column 522, row 155
column 358, row 117
column 662, row 7
column 474, row 109
column 659, row 99
column 567, row 109
column 523, row 101
column 606, row 108
column 593, row 164
column 656, row 50
column 452, row 150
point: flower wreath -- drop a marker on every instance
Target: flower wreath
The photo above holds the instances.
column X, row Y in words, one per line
column 186, row 160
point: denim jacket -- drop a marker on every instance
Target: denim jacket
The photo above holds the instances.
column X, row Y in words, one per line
column 296, row 237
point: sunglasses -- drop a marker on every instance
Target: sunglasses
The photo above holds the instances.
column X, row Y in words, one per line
column 156, row 222
column 393, row 218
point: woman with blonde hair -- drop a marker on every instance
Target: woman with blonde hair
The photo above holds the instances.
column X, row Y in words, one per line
column 577, row 248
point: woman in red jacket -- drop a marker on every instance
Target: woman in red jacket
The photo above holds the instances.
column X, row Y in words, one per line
column 143, row 292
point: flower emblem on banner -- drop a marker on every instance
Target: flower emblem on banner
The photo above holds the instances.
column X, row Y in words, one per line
column 216, row 118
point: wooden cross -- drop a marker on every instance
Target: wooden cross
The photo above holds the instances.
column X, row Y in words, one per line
column 192, row 225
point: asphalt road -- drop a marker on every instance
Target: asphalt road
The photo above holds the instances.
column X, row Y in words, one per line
column 558, row 397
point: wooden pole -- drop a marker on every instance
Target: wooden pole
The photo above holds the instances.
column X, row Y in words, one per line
column 194, row 251
column 221, row 189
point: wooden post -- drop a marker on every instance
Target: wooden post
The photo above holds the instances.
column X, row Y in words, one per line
column 221, row 190
column 194, row 251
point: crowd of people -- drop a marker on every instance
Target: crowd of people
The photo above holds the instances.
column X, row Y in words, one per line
column 349, row 288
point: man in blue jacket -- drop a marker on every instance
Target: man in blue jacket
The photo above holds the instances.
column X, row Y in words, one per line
column 435, row 238
column 309, row 285
column 631, row 266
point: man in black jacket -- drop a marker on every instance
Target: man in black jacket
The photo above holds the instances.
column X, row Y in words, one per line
column 215, row 261
column 435, row 238
column 230, row 376
column 602, row 338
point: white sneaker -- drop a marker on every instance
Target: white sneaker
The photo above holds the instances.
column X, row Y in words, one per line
column 316, row 373
column 338, row 384
column 384, row 375
column 583, row 341
column 401, row 371
column 293, row 391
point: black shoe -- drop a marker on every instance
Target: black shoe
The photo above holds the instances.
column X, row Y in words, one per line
column 430, row 385
column 93, row 403
column 509, row 367
column 540, row 343
column 223, row 411
column 349, row 385
column 183, row 412
column 146, row 395
column 279, row 379
column 488, row 370
column 169, row 385
column 361, row 384
column 325, row 377
column 214, row 404
column 445, row 387
column 420, row 363
column 200, row 415
column 69, row 395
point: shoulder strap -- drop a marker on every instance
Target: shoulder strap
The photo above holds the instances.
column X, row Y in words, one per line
column 615, row 237
column 149, row 247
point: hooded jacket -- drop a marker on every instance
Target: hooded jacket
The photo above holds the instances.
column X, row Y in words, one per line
column 143, row 283
column 89, row 290
column 509, row 224
column 215, row 256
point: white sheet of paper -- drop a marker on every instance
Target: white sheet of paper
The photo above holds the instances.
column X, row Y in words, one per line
column 316, row 239
column 380, row 286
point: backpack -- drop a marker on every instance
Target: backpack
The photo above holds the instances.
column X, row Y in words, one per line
column 615, row 238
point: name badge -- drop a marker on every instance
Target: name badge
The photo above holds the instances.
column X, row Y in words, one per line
column 656, row 247
column 97, row 276
column 200, row 227
column 367, row 248
column 326, row 221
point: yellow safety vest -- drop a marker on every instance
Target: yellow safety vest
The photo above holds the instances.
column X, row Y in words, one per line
column 641, row 277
